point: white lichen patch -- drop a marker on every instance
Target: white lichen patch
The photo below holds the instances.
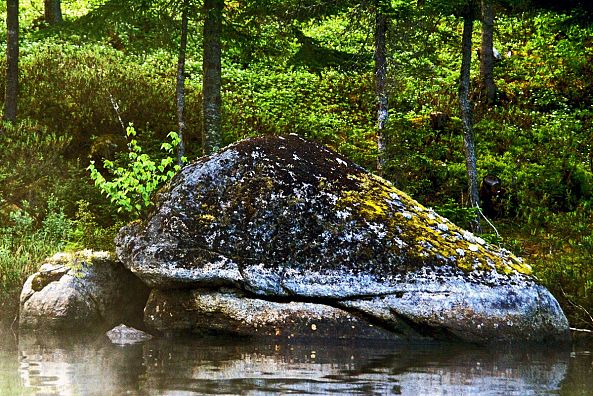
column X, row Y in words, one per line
column 341, row 162
column 468, row 236
column 336, row 285
column 443, row 227
column 343, row 214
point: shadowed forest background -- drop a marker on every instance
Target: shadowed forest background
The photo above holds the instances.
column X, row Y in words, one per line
column 305, row 67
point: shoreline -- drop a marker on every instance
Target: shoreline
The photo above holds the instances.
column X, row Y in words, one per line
column 9, row 306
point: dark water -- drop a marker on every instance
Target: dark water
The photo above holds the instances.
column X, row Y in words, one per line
column 67, row 366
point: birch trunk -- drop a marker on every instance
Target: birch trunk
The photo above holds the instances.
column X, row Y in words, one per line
column 12, row 60
column 466, row 117
column 380, row 79
column 212, row 134
column 180, row 88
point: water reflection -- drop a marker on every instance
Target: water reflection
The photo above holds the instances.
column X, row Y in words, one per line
column 231, row 366
column 78, row 366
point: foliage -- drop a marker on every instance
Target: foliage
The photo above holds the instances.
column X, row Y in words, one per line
column 333, row 109
column 93, row 89
column 31, row 163
column 462, row 216
column 22, row 245
column 563, row 261
column 87, row 233
column 132, row 186
column 305, row 68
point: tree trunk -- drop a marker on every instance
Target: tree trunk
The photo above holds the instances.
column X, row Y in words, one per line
column 53, row 11
column 212, row 135
column 466, row 117
column 487, row 52
column 180, row 88
column 12, row 60
column 380, row 79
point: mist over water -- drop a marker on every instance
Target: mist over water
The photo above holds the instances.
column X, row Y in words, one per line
column 74, row 366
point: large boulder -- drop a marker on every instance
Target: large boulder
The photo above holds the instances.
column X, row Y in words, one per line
column 82, row 291
column 282, row 219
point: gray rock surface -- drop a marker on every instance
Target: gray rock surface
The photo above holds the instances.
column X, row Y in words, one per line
column 124, row 335
column 81, row 291
column 282, row 219
column 231, row 312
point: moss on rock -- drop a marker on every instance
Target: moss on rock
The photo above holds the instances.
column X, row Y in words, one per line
column 429, row 236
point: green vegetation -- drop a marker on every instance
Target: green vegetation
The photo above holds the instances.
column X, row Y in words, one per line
column 131, row 188
column 111, row 63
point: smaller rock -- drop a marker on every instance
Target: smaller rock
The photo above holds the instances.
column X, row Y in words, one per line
column 81, row 291
column 124, row 335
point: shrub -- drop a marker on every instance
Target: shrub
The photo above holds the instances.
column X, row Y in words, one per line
column 22, row 246
column 81, row 91
column 31, row 166
column 87, row 233
column 132, row 186
column 565, row 243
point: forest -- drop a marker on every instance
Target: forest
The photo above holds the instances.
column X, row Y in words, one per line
column 104, row 100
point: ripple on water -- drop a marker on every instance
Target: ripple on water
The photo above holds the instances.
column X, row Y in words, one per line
column 231, row 366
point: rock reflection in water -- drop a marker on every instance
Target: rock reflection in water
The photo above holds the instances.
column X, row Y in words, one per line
column 343, row 369
column 10, row 383
column 78, row 366
column 232, row 366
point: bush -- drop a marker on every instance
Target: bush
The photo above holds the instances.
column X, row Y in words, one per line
column 333, row 109
column 31, row 166
column 87, row 233
column 130, row 187
column 22, row 246
column 565, row 262
column 84, row 91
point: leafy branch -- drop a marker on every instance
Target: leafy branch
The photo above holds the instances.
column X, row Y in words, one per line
column 130, row 187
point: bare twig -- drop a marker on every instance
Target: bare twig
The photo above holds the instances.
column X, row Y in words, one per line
column 16, row 316
column 577, row 306
column 116, row 108
column 488, row 221
column 580, row 330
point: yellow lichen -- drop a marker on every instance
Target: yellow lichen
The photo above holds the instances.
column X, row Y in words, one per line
column 373, row 200
column 521, row 267
column 206, row 217
column 370, row 208
column 465, row 264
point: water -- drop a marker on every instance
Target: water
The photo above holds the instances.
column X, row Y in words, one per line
column 68, row 366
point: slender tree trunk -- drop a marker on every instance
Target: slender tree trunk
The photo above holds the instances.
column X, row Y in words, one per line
column 380, row 79
column 12, row 60
column 466, row 117
column 53, row 11
column 487, row 52
column 180, row 88
column 212, row 134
